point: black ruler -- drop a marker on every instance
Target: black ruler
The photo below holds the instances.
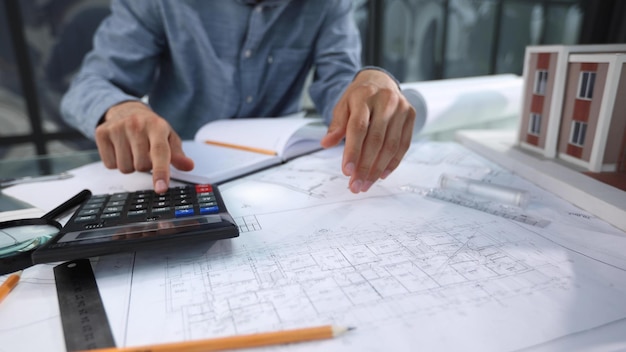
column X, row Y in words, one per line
column 84, row 320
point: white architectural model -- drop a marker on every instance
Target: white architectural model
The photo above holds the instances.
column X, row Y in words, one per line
column 574, row 106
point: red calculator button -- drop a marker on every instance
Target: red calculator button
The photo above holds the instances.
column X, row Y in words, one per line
column 204, row 188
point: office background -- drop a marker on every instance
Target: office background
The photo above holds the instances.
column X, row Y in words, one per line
column 42, row 43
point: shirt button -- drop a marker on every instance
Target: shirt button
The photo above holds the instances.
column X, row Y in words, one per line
column 259, row 9
column 270, row 59
column 249, row 99
column 248, row 53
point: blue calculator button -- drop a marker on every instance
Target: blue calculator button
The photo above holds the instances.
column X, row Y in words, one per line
column 183, row 212
column 209, row 210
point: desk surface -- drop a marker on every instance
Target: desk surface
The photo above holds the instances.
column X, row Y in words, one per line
column 404, row 269
column 36, row 166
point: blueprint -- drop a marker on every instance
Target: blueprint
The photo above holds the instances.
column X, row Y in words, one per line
column 407, row 271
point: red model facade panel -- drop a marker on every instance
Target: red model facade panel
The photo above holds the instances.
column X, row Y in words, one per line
column 543, row 61
column 581, row 110
column 536, row 104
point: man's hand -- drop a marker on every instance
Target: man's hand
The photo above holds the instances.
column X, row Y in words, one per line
column 134, row 138
column 377, row 123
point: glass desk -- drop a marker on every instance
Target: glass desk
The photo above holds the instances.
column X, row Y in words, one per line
column 54, row 164
column 39, row 166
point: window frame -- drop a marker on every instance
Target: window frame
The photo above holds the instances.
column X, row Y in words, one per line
column 586, row 85
column 534, row 124
column 578, row 132
column 541, row 82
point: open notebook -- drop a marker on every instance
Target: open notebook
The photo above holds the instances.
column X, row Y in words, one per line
column 226, row 149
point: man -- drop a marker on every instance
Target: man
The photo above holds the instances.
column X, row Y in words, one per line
column 197, row 61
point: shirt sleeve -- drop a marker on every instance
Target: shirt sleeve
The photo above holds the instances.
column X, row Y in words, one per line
column 337, row 57
column 120, row 67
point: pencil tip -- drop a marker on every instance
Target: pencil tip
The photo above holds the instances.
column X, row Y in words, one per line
column 338, row 330
column 350, row 328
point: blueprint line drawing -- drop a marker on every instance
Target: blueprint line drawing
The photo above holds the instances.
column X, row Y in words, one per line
column 373, row 275
column 247, row 223
column 404, row 269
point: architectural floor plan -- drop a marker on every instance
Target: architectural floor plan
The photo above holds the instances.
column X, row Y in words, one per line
column 404, row 269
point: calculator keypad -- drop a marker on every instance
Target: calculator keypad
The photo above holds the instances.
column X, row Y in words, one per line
column 130, row 207
column 134, row 221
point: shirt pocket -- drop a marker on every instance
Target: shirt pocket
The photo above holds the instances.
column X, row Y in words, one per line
column 288, row 67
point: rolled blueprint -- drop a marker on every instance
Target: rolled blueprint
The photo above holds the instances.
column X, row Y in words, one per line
column 449, row 104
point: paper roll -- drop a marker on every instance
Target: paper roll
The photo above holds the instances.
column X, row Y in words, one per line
column 449, row 104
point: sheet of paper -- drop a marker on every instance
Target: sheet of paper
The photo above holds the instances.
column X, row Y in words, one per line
column 29, row 315
column 404, row 269
column 95, row 177
column 30, row 319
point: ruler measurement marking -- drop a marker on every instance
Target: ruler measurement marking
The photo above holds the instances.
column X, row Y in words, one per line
column 84, row 320
column 511, row 215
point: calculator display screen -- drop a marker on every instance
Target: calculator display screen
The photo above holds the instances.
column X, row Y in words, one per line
column 139, row 230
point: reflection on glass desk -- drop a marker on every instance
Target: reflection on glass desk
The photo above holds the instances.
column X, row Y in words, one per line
column 40, row 166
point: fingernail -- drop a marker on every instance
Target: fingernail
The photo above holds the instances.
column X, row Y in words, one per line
column 350, row 169
column 366, row 186
column 355, row 187
column 160, row 186
column 385, row 174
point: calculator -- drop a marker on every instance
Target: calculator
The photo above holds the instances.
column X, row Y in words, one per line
column 130, row 221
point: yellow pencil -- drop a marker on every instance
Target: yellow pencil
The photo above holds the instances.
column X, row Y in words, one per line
column 242, row 341
column 241, row 147
column 9, row 284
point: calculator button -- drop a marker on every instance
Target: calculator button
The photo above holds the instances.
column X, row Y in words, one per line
column 136, row 212
column 137, row 206
column 204, row 188
column 115, row 203
column 112, row 209
column 98, row 198
column 206, row 198
column 209, row 210
column 111, row 216
column 183, row 212
column 93, row 206
column 119, row 196
column 207, row 204
column 161, row 210
column 183, row 207
column 85, row 218
column 183, row 202
column 86, row 212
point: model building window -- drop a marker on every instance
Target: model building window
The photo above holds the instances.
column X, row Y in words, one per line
column 587, row 80
column 578, row 133
column 535, row 124
column 541, row 80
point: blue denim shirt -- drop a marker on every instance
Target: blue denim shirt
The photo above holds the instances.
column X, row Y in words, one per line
column 198, row 61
